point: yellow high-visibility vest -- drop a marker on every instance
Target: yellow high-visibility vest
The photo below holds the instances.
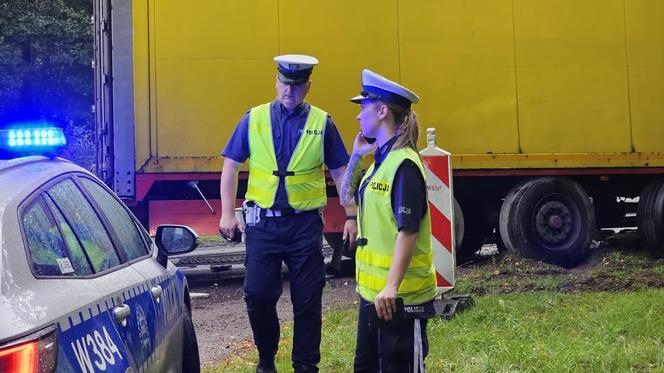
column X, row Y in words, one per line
column 305, row 176
column 378, row 225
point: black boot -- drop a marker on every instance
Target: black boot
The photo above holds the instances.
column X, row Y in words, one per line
column 266, row 366
column 306, row 369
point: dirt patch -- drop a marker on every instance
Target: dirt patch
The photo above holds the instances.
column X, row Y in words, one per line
column 605, row 281
column 618, row 264
column 221, row 322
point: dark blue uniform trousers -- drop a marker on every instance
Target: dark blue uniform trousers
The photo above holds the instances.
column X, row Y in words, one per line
column 297, row 241
column 388, row 348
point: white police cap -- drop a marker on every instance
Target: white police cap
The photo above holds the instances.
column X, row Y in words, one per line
column 295, row 68
column 377, row 87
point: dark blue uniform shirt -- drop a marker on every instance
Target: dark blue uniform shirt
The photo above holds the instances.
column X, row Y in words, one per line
column 408, row 196
column 286, row 131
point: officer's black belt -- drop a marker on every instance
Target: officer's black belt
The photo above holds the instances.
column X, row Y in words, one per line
column 362, row 241
column 269, row 213
column 283, row 173
column 287, row 211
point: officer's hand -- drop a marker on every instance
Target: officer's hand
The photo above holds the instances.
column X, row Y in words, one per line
column 386, row 303
column 350, row 232
column 227, row 225
column 362, row 146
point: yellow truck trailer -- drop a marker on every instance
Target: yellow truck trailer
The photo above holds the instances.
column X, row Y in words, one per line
column 553, row 109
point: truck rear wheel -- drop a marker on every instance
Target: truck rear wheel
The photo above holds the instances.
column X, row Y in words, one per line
column 550, row 219
column 458, row 225
column 650, row 217
column 335, row 240
column 506, row 214
column 470, row 229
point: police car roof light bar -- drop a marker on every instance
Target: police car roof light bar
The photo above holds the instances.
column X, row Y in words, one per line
column 31, row 140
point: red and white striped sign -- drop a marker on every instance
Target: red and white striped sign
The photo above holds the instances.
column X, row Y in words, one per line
column 438, row 166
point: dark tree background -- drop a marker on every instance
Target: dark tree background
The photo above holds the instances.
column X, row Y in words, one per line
column 46, row 51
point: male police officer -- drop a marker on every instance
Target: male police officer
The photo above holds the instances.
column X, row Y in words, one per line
column 287, row 142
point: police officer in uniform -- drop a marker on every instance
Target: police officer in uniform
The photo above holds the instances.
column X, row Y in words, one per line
column 394, row 257
column 287, row 142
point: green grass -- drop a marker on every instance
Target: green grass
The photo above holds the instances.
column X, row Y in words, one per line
column 210, row 239
column 553, row 332
column 530, row 332
column 529, row 317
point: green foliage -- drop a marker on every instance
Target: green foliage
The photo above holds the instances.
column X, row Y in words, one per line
column 46, row 49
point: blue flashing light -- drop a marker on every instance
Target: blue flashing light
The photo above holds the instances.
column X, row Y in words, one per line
column 32, row 138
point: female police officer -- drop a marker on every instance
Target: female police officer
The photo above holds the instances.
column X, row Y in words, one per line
column 287, row 142
column 394, row 258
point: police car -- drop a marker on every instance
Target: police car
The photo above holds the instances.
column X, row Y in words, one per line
column 82, row 286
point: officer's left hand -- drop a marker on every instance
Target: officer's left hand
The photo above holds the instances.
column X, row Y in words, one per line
column 386, row 303
column 362, row 146
column 350, row 232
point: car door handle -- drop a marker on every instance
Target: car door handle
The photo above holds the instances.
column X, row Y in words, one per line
column 121, row 313
column 156, row 292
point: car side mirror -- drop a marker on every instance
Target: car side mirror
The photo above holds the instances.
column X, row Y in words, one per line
column 175, row 239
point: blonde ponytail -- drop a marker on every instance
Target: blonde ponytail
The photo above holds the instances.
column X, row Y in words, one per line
column 407, row 126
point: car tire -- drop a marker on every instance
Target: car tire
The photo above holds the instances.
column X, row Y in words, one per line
column 191, row 362
column 549, row 219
